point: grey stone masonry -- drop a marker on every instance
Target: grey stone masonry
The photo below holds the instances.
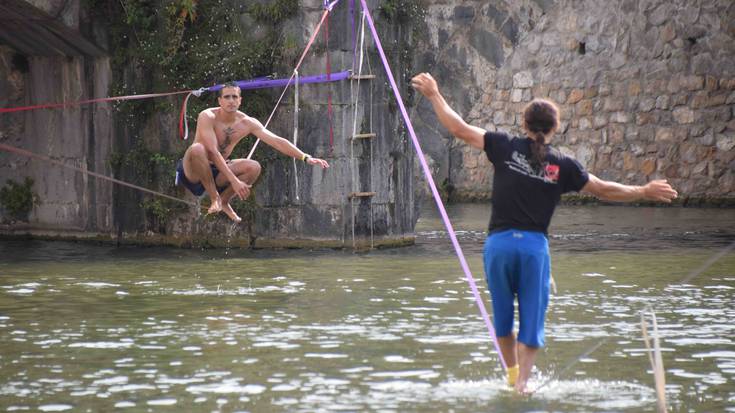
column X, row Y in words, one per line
column 646, row 88
column 366, row 198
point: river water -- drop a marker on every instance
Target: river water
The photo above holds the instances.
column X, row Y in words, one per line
column 94, row 328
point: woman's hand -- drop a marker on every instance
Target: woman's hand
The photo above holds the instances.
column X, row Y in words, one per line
column 659, row 190
column 425, row 84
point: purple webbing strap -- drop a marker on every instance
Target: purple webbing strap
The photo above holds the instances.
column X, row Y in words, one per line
column 257, row 83
column 434, row 191
column 269, row 83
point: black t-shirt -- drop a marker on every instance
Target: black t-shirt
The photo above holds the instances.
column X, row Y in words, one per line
column 524, row 196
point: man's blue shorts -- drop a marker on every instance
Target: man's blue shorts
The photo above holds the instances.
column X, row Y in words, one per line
column 517, row 264
column 195, row 188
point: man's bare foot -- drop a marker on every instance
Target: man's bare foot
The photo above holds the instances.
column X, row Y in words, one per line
column 227, row 209
column 215, row 207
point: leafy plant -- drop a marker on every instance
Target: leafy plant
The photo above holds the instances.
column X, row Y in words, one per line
column 143, row 163
column 159, row 211
column 276, row 11
column 18, row 199
column 187, row 44
column 245, row 209
column 446, row 190
column 402, row 11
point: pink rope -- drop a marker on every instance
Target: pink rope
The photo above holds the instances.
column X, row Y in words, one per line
column 437, row 198
column 29, row 154
column 83, row 102
column 301, row 59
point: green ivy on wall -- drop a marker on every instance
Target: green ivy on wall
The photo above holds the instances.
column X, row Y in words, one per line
column 187, row 44
column 274, row 11
column 144, row 163
column 18, row 199
column 404, row 18
column 166, row 45
column 159, row 212
column 402, row 11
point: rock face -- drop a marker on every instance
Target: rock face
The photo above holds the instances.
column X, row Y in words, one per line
column 646, row 88
column 365, row 198
column 81, row 136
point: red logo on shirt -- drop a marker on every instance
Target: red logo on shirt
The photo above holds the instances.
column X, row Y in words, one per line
column 552, row 172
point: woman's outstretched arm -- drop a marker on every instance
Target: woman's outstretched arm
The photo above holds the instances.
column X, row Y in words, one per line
column 657, row 190
column 428, row 87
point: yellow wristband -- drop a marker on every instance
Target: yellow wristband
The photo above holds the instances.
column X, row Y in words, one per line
column 305, row 157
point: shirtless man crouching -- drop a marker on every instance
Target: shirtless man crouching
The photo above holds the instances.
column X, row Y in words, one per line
column 206, row 167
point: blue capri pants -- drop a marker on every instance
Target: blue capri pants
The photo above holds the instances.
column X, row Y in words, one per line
column 517, row 265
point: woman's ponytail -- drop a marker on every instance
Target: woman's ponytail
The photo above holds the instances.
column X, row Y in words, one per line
column 540, row 119
column 538, row 148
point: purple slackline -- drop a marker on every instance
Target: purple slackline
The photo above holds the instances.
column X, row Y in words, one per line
column 268, row 83
column 434, row 191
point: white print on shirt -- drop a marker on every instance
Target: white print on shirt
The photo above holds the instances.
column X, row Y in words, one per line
column 518, row 162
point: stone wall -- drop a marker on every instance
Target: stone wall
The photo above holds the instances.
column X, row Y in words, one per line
column 646, row 88
column 322, row 209
column 316, row 212
column 66, row 201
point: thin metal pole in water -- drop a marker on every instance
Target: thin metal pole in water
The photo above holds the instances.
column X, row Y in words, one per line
column 653, row 347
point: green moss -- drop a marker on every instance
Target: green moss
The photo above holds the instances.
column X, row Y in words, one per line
column 194, row 43
column 146, row 166
column 406, row 21
column 116, row 160
column 274, row 11
column 446, row 190
column 245, row 209
column 402, row 11
column 163, row 45
column 159, row 211
column 166, row 45
column 18, row 199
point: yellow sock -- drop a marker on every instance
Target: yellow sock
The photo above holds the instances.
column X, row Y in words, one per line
column 512, row 375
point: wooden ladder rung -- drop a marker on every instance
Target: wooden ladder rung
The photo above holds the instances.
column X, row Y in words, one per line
column 360, row 194
column 365, row 136
column 362, row 77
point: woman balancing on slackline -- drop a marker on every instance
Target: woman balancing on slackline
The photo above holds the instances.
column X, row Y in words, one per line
column 530, row 177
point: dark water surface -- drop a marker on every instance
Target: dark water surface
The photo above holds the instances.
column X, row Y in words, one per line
column 97, row 328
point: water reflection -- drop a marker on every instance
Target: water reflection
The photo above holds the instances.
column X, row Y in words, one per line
column 593, row 228
column 98, row 328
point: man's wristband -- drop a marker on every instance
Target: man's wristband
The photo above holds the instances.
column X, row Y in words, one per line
column 305, row 157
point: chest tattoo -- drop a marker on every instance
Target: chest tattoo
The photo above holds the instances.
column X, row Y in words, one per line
column 229, row 132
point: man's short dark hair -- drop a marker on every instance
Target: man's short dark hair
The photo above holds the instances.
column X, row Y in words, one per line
column 228, row 84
